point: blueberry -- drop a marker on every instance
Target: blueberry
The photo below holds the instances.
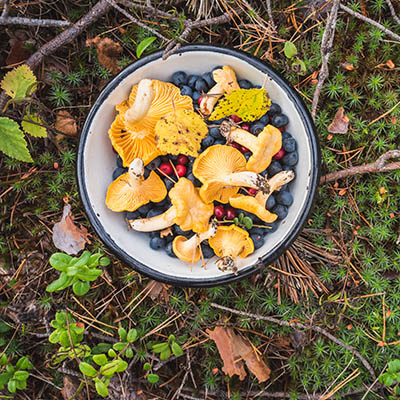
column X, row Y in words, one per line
column 258, row 240
column 265, row 119
column 247, row 155
column 286, row 135
column 290, row 159
column 118, row 172
column 215, row 133
column 217, row 67
column 178, row 231
column 201, row 85
column 174, row 157
column 274, row 168
column 284, row 187
column 207, row 251
column 154, row 212
column 285, row 198
column 279, row 120
column 257, row 231
column 256, row 128
column 169, row 184
column 273, row 226
column 154, row 234
column 179, row 78
column 192, row 80
column 145, row 209
column 186, row 91
column 119, row 162
column 169, row 251
column 245, row 84
column 287, row 168
column 289, row 144
column 157, row 243
column 208, row 77
column 281, row 211
column 271, row 202
column 257, row 86
column 132, row 215
column 218, row 121
column 220, row 141
column 195, row 181
column 196, row 96
column 264, row 173
column 274, row 109
column 154, row 164
column 207, row 141
column 146, row 172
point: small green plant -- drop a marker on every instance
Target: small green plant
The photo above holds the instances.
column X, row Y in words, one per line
column 290, row 51
column 150, row 376
column 143, row 45
column 77, row 272
column 165, row 349
column 392, row 377
column 14, row 376
column 67, row 332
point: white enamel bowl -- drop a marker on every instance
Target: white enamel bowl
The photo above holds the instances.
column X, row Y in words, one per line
column 96, row 162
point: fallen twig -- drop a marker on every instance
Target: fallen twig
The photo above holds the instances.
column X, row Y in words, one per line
column 393, row 12
column 318, row 329
column 326, row 48
column 271, row 18
column 380, row 165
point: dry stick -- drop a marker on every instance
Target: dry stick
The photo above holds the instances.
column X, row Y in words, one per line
column 394, row 15
column 271, row 19
column 379, row 165
column 302, row 326
column 152, row 11
column 33, row 22
column 370, row 21
column 326, row 48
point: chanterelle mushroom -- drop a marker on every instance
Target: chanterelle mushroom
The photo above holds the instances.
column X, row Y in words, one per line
column 130, row 191
column 264, row 146
column 226, row 83
column 256, row 205
column 132, row 132
column 222, row 170
column 187, row 210
column 189, row 249
column 229, row 243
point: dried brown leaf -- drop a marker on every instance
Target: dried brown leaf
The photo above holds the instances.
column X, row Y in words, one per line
column 67, row 236
column 390, row 64
column 108, row 52
column 233, row 349
column 18, row 53
column 70, row 388
column 66, row 123
column 158, row 290
column 340, row 123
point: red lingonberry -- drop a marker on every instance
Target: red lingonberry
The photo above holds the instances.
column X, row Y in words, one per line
column 279, row 154
column 182, row 159
column 219, row 212
column 166, row 168
column 180, row 170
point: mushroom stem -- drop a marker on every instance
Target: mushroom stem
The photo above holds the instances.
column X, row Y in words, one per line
column 136, row 170
column 227, row 263
column 247, row 179
column 209, row 100
column 156, row 223
column 141, row 106
column 240, row 136
column 275, row 183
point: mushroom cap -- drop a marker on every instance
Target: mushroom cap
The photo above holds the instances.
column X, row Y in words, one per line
column 181, row 251
column 212, row 166
column 225, row 77
column 191, row 212
column 125, row 194
column 269, row 143
column 232, row 241
column 137, row 139
column 250, row 204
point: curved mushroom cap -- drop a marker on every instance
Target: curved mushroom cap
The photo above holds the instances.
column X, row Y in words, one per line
column 250, row 204
column 128, row 194
column 191, row 212
column 269, row 143
column 132, row 140
column 231, row 241
column 212, row 166
column 225, row 77
column 188, row 254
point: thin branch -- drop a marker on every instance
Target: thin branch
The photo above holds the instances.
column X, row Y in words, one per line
column 302, row 326
column 394, row 15
column 380, row 165
column 370, row 21
column 271, row 18
column 326, row 48
column 4, row 20
column 152, row 11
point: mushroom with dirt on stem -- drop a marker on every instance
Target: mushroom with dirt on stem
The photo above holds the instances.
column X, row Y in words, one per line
column 130, row 190
column 187, row 210
column 226, row 82
column 264, row 146
column 222, row 171
column 229, row 243
column 256, row 205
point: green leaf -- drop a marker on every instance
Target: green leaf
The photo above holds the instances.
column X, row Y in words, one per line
column 54, row 337
column 132, row 335
column 4, row 377
column 89, row 274
column 105, row 261
column 59, row 284
column 33, row 129
column 394, row 366
column 65, row 340
column 24, row 363
column 147, row 367
column 101, row 348
column 122, row 333
column 21, row 375
column 109, row 369
column 143, row 45
column 60, row 261
column 101, row 388
column 159, row 347
column 3, row 359
column 165, row 354
column 171, row 338
column 12, row 141
column 121, row 365
column 87, row 369
column 128, row 352
column 388, row 380
column 12, row 386
column 290, row 49
column 119, row 346
column 19, row 83
column 61, row 318
column 111, row 353
column 299, row 63
column 100, row 359
column 94, row 260
column 80, row 288
column 4, row 328
column 83, row 259
column 21, row 385
column 153, row 378
column 176, row 349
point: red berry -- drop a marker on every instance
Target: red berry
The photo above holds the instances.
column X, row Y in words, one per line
column 279, row 154
column 219, row 212
column 245, row 127
column 235, row 118
column 180, row 170
column 55, row 165
column 230, row 213
column 200, row 99
column 236, row 145
column 244, row 149
column 252, row 191
column 282, row 129
column 182, row 159
column 166, row 168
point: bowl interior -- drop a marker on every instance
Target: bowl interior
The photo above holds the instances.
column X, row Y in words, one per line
column 98, row 162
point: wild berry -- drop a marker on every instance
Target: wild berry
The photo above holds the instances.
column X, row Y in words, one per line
column 279, row 154
column 199, row 100
column 245, row 126
column 180, row 170
column 230, row 213
column 252, row 191
column 182, row 159
column 235, row 145
column 219, row 212
column 166, row 168
column 243, row 149
column 235, row 119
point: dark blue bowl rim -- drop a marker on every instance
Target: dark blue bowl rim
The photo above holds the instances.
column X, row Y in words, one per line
column 265, row 260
